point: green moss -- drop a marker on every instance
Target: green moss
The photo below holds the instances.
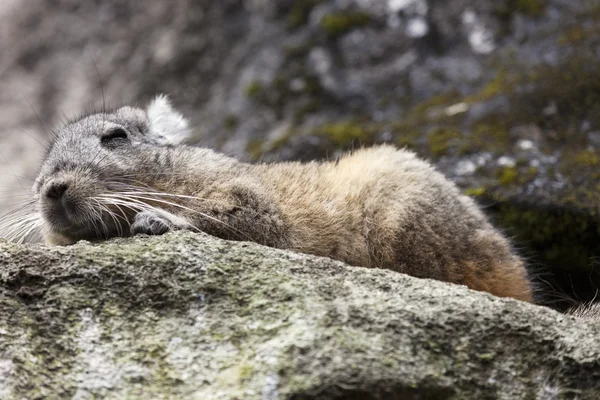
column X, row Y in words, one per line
column 502, row 83
column 587, row 158
column 282, row 140
column 562, row 243
column 340, row 23
column 564, row 239
column 486, row 356
column 582, row 165
column 295, row 53
column 493, row 88
column 312, row 85
column 573, row 35
column 254, row 148
column 343, row 133
column 508, row 175
column 230, row 122
column 441, row 139
column 442, row 100
column 406, row 141
column 475, row 192
column 571, row 87
column 309, row 107
column 530, row 8
column 300, row 11
column 489, row 135
column 245, row 371
column 254, row 89
column 491, row 128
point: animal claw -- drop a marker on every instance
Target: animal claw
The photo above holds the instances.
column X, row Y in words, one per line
column 151, row 223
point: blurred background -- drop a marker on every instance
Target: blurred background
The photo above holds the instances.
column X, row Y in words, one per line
column 502, row 95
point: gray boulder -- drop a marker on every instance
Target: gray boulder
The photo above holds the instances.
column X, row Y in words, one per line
column 190, row 316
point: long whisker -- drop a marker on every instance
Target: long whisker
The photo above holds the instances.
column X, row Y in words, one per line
column 115, row 220
column 20, row 228
column 95, row 216
column 136, row 191
column 140, row 200
column 27, row 233
column 148, row 191
column 114, row 216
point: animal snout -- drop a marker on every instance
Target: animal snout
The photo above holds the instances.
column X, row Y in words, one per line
column 56, row 190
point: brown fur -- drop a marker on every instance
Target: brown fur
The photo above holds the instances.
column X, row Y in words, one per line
column 378, row 207
column 383, row 207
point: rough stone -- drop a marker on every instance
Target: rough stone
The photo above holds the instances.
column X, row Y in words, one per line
column 190, row 316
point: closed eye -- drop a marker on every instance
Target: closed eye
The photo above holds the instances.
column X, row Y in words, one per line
column 114, row 138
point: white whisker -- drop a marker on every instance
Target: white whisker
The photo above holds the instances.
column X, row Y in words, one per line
column 139, row 199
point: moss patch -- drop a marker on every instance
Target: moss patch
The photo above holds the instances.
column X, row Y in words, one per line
column 442, row 100
column 573, row 35
column 299, row 12
column 587, row 158
column 475, row 192
column 230, row 122
column 441, row 139
column 344, row 133
column 340, row 23
column 561, row 96
column 515, row 175
column 530, row 8
column 503, row 83
column 507, row 175
column 567, row 240
column 582, row 166
column 254, row 89
column 254, row 148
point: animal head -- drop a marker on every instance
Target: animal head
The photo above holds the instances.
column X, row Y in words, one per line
column 94, row 158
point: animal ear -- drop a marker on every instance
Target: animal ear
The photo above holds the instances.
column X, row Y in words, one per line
column 166, row 125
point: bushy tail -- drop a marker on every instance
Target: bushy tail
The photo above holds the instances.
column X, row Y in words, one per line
column 590, row 311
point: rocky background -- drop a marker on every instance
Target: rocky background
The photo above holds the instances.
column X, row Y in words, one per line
column 503, row 95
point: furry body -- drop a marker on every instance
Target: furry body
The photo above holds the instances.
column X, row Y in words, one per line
column 126, row 172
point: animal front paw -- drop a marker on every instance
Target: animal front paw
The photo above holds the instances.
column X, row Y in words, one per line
column 151, row 223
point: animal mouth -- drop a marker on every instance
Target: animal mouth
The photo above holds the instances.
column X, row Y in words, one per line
column 106, row 211
column 75, row 234
column 59, row 214
column 61, row 221
column 74, row 221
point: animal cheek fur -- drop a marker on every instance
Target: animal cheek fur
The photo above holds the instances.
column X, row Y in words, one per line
column 57, row 239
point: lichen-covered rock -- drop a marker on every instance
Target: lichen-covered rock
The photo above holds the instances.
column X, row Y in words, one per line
column 190, row 316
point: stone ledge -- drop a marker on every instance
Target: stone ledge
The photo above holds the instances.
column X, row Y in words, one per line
column 190, row 316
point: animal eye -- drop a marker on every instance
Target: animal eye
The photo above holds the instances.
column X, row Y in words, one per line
column 114, row 138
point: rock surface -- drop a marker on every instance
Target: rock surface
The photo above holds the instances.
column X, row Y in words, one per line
column 190, row 316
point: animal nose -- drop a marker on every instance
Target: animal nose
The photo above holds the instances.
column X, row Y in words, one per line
column 56, row 190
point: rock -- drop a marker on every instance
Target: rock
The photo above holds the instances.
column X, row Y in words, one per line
column 190, row 316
